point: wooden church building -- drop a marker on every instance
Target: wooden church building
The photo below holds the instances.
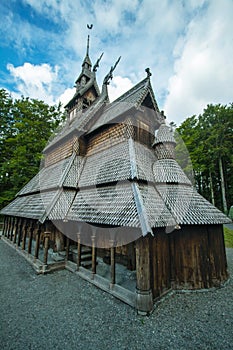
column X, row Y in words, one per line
column 111, row 203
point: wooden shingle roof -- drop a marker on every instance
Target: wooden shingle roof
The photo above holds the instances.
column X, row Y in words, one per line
column 119, row 182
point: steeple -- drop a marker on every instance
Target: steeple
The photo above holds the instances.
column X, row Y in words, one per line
column 87, row 89
column 86, row 73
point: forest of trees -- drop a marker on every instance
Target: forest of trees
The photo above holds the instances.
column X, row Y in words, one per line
column 209, row 138
column 26, row 125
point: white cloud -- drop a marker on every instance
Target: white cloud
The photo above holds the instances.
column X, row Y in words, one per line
column 186, row 44
column 203, row 72
column 66, row 96
column 118, row 86
column 35, row 81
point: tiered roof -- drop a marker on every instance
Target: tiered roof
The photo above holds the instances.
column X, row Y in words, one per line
column 120, row 182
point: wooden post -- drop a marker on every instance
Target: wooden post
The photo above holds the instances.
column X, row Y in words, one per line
column 24, row 235
column 67, row 248
column 20, row 231
column 131, row 264
column 93, row 256
column 8, row 227
column 37, row 247
column 144, row 299
column 79, row 251
column 113, row 263
column 16, row 229
column 46, row 246
column 4, row 226
column 30, row 237
column 12, row 228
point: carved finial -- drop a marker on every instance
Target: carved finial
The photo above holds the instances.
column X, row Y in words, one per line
column 163, row 115
column 96, row 65
column 147, row 70
column 109, row 75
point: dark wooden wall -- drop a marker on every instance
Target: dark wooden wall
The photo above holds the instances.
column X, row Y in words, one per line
column 197, row 255
column 190, row 258
column 160, row 263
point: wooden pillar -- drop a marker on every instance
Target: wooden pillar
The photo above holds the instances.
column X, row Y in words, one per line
column 20, row 232
column 113, row 263
column 16, row 229
column 8, row 226
column 79, row 251
column 37, row 247
column 25, row 229
column 67, row 248
column 4, row 226
column 131, row 264
column 93, row 255
column 46, row 246
column 144, row 298
column 12, row 228
column 31, row 228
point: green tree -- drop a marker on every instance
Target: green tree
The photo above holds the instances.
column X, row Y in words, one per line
column 26, row 125
column 209, row 139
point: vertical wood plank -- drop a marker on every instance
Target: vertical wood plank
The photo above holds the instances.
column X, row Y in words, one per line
column 67, row 248
column 20, row 232
column 37, row 246
column 31, row 228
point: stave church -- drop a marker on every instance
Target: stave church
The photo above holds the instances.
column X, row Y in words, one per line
column 111, row 203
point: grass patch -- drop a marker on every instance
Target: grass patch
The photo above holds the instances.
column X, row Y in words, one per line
column 228, row 235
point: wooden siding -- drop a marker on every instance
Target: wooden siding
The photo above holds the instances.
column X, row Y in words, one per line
column 198, row 257
column 160, row 263
column 62, row 151
column 107, row 138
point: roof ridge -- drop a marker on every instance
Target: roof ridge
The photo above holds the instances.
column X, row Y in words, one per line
column 128, row 92
column 142, row 214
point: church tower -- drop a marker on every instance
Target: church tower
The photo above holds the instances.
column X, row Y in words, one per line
column 87, row 89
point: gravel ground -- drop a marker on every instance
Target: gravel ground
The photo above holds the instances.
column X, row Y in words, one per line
column 62, row 311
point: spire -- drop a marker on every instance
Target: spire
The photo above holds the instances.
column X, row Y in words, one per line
column 87, row 89
column 88, row 41
column 87, row 62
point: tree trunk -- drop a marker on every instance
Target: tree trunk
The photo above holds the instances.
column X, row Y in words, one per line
column 211, row 189
column 224, row 202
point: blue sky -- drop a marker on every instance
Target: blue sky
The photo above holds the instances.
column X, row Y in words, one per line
column 187, row 44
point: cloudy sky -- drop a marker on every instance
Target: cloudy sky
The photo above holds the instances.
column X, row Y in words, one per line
column 188, row 45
